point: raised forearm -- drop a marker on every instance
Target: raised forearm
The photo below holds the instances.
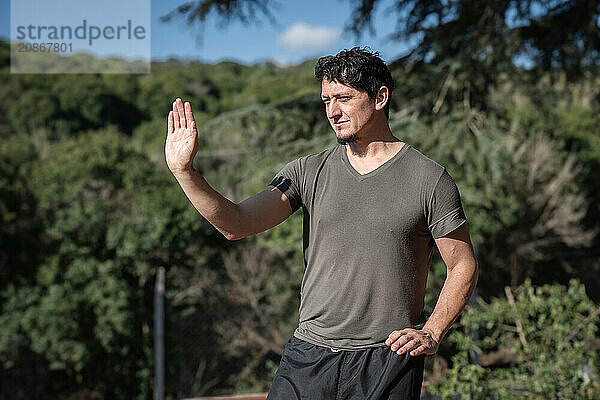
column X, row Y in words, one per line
column 454, row 296
column 222, row 213
column 235, row 221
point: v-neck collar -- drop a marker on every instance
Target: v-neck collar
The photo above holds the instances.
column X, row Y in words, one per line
column 377, row 170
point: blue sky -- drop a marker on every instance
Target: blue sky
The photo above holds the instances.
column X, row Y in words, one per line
column 303, row 29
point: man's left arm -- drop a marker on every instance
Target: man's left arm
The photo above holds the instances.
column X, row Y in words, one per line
column 462, row 273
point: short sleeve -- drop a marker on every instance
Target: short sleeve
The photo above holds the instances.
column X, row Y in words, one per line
column 445, row 212
column 288, row 182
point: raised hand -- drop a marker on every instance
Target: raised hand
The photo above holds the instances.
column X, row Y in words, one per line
column 182, row 137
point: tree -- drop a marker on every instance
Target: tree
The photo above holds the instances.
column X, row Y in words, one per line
column 475, row 42
column 552, row 34
column 478, row 43
column 545, row 334
column 19, row 227
column 109, row 217
column 243, row 10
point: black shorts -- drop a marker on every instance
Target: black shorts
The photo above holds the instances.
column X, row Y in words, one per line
column 310, row 372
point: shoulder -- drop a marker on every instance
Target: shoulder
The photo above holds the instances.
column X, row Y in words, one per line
column 427, row 168
column 306, row 165
column 315, row 160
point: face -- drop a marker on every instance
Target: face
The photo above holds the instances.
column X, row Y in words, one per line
column 349, row 110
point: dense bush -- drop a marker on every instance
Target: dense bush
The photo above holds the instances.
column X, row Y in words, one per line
column 536, row 342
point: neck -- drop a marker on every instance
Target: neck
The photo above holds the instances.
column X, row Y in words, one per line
column 376, row 143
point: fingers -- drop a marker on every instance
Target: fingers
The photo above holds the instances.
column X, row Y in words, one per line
column 170, row 123
column 419, row 350
column 181, row 113
column 410, row 340
column 175, row 116
column 182, row 116
column 394, row 336
column 404, row 344
column 189, row 116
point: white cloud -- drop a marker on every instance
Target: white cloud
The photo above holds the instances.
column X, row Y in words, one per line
column 302, row 36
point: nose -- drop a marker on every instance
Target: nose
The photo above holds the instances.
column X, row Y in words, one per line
column 333, row 109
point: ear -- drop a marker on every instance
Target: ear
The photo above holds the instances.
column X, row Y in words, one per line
column 381, row 98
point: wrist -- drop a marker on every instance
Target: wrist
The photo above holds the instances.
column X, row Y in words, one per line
column 183, row 172
column 436, row 333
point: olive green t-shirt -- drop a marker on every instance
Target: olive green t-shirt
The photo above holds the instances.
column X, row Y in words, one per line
column 368, row 242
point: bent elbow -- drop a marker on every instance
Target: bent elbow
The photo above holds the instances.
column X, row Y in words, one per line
column 233, row 235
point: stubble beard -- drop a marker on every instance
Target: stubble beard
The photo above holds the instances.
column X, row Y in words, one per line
column 348, row 139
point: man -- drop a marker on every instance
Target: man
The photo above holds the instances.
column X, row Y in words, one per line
column 374, row 207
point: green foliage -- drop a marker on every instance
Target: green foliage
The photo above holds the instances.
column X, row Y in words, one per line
column 109, row 218
column 158, row 89
column 480, row 38
column 19, row 226
column 87, row 103
column 34, row 109
column 63, row 105
column 548, row 334
column 485, row 38
column 56, row 63
column 89, row 210
column 149, row 138
column 460, row 46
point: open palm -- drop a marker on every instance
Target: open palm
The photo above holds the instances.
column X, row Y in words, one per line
column 182, row 137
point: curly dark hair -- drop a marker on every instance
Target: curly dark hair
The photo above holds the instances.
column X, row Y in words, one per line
column 359, row 68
